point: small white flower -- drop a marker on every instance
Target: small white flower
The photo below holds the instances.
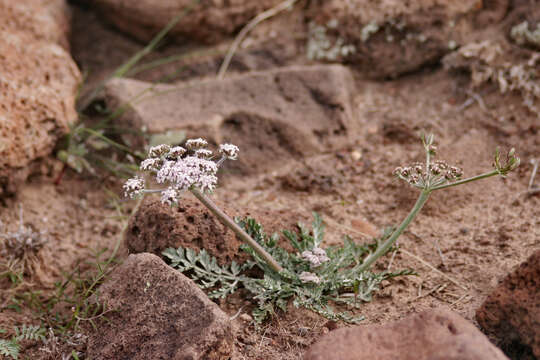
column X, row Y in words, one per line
column 176, row 152
column 159, row 150
column 151, row 164
column 203, row 154
column 309, row 277
column 230, row 151
column 194, row 144
column 169, row 196
column 321, row 254
column 316, row 257
column 201, row 165
column 207, row 182
column 134, row 187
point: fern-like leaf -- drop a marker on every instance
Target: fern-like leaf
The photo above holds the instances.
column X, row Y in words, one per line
column 340, row 280
column 10, row 348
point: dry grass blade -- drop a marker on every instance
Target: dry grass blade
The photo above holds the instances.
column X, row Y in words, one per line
column 246, row 29
column 455, row 282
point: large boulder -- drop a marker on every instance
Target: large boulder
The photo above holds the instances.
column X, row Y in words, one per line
column 511, row 313
column 38, row 83
column 393, row 37
column 206, row 21
column 438, row 334
column 273, row 115
column 158, row 313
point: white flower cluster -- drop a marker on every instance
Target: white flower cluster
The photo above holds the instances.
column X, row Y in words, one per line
column 181, row 168
column 316, row 256
column 309, row 277
column 230, row 151
column 134, row 187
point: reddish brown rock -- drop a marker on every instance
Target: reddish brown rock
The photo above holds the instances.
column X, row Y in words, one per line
column 511, row 314
column 205, row 21
column 273, row 115
column 438, row 334
column 38, row 83
column 390, row 38
column 156, row 227
column 158, row 313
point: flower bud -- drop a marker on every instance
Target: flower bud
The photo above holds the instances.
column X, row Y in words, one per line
column 194, row 144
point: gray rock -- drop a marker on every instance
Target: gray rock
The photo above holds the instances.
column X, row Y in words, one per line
column 158, row 313
column 390, row 38
column 438, row 334
column 274, row 115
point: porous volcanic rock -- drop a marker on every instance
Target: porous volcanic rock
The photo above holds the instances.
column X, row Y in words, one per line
column 273, row 115
column 38, row 83
column 158, row 313
column 156, row 227
column 205, row 21
column 511, row 313
column 438, row 334
column 389, row 38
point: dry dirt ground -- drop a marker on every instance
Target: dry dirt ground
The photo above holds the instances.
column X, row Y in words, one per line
column 483, row 229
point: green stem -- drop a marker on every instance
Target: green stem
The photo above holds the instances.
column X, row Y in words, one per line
column 464, row 181
column 382, row 249
column 227, row 221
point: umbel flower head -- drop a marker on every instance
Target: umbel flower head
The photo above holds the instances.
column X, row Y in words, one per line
column 181, row 169
column 439, row 173
column 430, row 174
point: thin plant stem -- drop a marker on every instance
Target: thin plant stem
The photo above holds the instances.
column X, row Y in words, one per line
column 227, row 221
column 464, row 181
column 382, row 249
column 428, row 159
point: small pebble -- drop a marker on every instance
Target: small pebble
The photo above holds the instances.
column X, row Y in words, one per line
column 356, row 155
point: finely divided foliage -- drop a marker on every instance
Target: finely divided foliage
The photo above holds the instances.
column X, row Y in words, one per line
column 12, row 346
column 312, row 277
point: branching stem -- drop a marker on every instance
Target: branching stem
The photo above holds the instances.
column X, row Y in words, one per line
column 464, row 181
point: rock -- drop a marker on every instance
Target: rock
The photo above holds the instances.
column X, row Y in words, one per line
column 511, row 314
column 156, row 227
column 390, row 38
column 435, row 335
column 158, row 313
column 273, row 115
column 205, row 21
column 513, row 69
column 38, row 83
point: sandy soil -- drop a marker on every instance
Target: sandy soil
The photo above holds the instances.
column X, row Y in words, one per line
column 483, row 229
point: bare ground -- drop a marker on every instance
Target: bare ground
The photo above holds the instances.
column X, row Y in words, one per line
column 483, row 229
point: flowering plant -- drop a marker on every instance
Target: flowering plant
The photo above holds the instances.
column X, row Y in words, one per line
column 191, row 168
column 310, row 275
